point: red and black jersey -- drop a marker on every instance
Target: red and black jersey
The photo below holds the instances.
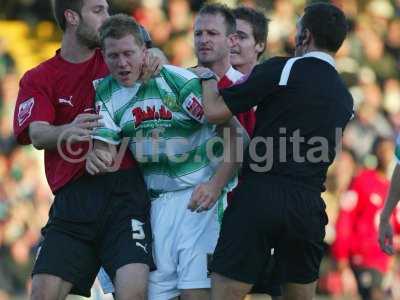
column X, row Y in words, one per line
column 55, row 92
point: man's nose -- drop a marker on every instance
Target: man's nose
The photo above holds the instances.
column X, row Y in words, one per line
column 121, row 61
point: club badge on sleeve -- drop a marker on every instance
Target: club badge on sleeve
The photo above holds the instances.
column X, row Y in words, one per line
column 25, row 110
column 193, row 107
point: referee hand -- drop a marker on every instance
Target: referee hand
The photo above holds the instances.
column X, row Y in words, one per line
column 386, row 237
column 204, row 197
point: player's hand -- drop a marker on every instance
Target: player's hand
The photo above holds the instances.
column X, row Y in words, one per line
column 152, row 65
column 204, row 197
column 386, row 236
column 98, row 161
column 200, row 71
column 80, row 129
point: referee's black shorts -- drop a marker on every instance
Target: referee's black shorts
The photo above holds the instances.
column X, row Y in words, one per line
column 272, row 212
column 96, row 221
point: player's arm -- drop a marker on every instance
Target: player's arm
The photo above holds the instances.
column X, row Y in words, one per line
column 103, row 156
column 35, row 115
column 236, row 140
column 385, row 228
column 250, row 91
column 46, row 136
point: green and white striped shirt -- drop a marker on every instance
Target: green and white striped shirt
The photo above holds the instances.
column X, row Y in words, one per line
column 168, row 133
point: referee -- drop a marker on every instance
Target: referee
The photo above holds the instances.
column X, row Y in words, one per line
column 302, row 108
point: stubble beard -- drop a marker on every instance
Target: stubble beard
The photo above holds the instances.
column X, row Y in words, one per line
column 87, row 36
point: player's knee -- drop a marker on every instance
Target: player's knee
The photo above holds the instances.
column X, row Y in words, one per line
column 41, row 292
column 231, row 289
column 49, row 287
column 137, row 294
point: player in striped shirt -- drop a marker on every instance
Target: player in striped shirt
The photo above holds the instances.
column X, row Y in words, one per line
column 178, row 151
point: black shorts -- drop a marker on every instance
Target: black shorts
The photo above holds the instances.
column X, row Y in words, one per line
column 96, row 221
column 269, row 281
column 272, row 212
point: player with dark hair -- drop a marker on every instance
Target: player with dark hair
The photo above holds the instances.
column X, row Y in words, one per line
column 94, row 220
column 302, row 104
column 252, row 32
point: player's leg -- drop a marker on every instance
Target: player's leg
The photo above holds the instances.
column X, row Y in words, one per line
column 195, row 294
column 67, row 261
column 295, row 291
column 227, row 288
column 247, row 236
column 163, row 281
column 300, row 250
column 64, row 265
column 198, row 236
column 126, row 246
column 126, row 288
column 49, row 287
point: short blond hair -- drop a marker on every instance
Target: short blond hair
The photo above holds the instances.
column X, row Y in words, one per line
column 119, row 26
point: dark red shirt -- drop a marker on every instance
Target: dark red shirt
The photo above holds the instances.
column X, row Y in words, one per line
column 248, row 118
column 57, row 91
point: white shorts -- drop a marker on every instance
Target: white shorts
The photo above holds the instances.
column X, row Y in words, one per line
column 183, row 240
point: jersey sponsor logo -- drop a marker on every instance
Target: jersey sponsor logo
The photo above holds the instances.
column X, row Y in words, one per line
column 66, row 101
column 194, row 108
column 25, row 110
column 150, row 114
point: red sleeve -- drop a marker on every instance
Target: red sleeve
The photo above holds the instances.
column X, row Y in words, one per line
column 248, row 120
column 33, row 104
column 349, row 205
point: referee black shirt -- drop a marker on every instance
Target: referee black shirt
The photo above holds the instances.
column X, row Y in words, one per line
column 302, row 109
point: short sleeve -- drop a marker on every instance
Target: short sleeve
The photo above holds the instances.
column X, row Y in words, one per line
column 33, row 104
column 255, row 88
column 110, row 132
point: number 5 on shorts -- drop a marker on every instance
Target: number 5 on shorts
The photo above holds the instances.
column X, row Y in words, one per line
column 137, row 229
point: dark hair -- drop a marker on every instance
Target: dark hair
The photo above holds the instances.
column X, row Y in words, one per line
column 224, row 11
column 119, row 26
column 257, row 21
column 59, row 8
column 327, row 25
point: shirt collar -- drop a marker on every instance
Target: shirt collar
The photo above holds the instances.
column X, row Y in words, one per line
column 233, row 74
column 322, row 56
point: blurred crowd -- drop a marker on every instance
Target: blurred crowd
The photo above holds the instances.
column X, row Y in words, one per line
column 369, row 62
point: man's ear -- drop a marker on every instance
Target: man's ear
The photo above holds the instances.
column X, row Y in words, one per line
column 307, row 38
column 259, row 48
column 71, row 17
